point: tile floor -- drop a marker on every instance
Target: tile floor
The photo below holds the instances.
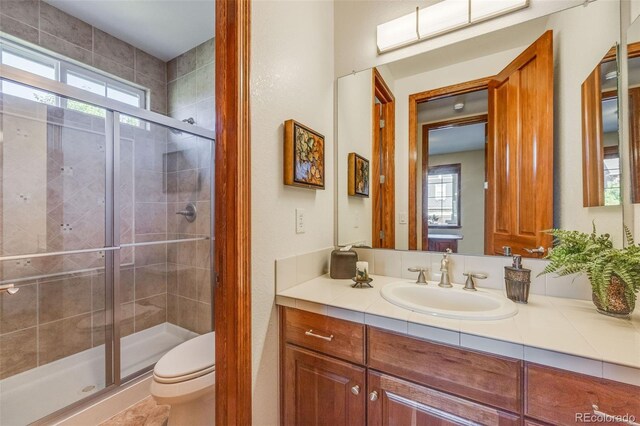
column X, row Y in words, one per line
column 144, row 413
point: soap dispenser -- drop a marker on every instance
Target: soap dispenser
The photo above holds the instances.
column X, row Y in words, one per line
column 517, row 280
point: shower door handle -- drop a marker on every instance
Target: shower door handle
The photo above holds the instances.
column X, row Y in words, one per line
column 9, row 288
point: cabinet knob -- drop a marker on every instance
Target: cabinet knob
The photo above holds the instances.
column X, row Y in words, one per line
column 373, row 396
column 355, row 390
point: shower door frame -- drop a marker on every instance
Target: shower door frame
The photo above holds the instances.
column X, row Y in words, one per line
column 112, row 245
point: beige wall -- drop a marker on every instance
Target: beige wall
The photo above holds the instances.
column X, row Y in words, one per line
column 291, row 77
column 39, row 23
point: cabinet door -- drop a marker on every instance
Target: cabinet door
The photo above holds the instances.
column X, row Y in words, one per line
column 393, row 401
column 319, row 390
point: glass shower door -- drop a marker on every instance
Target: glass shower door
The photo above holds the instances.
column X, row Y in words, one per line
column 55, row 331
column 165, row 234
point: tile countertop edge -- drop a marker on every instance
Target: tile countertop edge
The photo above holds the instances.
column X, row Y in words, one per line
column 594, row 364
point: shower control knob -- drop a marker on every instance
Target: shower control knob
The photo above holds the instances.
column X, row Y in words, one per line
column 190, row 213
column 9, row 288
column 355, row 390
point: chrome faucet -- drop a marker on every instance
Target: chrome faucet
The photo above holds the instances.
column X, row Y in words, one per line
column 445, row 279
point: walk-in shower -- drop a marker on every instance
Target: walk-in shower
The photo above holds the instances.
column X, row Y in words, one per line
column 106, row 225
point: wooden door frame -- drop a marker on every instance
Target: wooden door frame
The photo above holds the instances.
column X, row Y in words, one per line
column 414, row 100
column 463, row 121
column 386, row 220
column 232, row 302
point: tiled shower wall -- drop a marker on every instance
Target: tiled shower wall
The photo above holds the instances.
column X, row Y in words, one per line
column 40, row 23
column 191, row 91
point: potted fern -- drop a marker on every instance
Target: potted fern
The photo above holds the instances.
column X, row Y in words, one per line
column 614, row 273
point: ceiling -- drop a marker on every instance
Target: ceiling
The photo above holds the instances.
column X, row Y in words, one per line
column 442, row 109
column 163, row 28
column 457, row 139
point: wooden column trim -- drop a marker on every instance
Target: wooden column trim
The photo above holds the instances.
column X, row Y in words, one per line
column 232, row 300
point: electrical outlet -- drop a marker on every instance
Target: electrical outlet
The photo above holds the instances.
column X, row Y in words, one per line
column 300, row 221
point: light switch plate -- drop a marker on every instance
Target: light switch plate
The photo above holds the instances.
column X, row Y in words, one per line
column 300, row 221
column 402, row 218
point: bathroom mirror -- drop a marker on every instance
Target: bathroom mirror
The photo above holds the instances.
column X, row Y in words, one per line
column 601, row 183
column 633, row 78
column 476, row 146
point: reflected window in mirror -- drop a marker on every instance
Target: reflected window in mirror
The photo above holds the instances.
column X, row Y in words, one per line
column 444, row 196
column 612, row 191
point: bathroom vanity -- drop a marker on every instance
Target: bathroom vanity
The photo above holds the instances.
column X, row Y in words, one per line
column 350, row 357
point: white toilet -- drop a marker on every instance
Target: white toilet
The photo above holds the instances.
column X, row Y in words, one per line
column 185, row 378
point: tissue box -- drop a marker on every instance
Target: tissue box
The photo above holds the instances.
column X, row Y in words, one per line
column 343, row 264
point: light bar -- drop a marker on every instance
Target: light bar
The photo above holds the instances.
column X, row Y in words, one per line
column 485, row 9
column 399, row 32
column 443, row 17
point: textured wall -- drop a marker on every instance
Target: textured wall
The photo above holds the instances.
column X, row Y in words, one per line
column 40, row 23
column 291, row 77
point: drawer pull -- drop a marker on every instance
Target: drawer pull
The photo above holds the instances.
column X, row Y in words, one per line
column 312, row 334
column 355, row 390
column 373, row 396
column 604, row 417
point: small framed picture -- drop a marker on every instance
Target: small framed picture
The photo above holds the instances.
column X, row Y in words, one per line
column 303, row 156
column 358, row 175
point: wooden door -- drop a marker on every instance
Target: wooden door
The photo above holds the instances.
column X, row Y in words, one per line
column 520, row 153
column 393, row 401
column 319, row 390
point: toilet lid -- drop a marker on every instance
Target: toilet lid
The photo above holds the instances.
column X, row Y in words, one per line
column 189, row 359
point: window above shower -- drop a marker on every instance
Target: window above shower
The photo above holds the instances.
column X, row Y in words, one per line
column 54, row 68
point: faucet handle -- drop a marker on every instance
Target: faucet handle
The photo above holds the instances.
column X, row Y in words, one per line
column 421, row 276
column 470, row 283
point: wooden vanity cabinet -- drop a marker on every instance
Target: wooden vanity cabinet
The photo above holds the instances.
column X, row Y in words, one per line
column 320, row 390
column 565, row 398
column 394, row 401
column 327, row 380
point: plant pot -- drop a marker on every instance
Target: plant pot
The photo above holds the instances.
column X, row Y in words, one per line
column 618, row 305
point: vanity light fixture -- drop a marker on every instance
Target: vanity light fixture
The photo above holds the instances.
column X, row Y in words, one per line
column 399, row 32
column 440, row 18
column 443, row 17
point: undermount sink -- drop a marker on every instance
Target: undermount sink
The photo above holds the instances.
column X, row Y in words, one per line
column 453, row 302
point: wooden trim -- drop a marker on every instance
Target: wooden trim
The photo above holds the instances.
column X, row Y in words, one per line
column 633, row 50
column 414, row 100
column 233, row 214
column 383, row 196
column 464, row 121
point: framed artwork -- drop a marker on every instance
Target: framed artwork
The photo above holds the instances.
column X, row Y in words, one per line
column 303, row 156
column 358, row 175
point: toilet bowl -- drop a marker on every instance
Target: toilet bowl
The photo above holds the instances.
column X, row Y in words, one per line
column 184, row 378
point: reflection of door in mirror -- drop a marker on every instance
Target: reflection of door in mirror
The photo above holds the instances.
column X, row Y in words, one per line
column 600, row 154
column 383, row 164
column 453, row 172
column 520, row 153
column 633, row 66
column 515, row 205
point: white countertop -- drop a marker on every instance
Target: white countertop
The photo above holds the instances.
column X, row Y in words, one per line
column 565, row 333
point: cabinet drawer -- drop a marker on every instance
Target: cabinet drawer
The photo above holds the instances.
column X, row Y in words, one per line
column 393, row 401
column 560, row 397
column 331, row 336
column 488, row 379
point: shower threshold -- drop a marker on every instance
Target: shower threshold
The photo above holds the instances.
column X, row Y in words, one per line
column 33, row 394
